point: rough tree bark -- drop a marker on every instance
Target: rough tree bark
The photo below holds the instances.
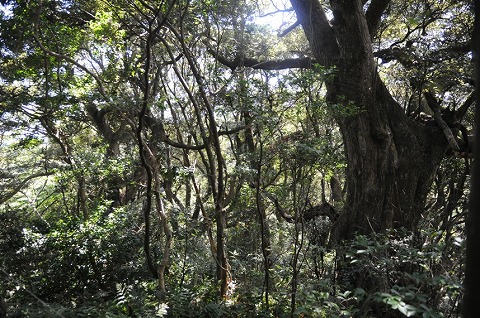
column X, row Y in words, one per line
column 391, row 158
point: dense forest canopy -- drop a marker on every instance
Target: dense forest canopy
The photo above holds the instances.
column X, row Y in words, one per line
column 236, row 158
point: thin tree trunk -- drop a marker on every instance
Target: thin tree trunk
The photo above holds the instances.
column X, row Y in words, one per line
column 168, row 242
column 223, row 270
column 215, row 162
column 264, row 227
column 82, row 197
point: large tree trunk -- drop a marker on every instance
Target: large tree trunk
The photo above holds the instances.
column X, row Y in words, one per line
column 391, row 162
column 391, row 159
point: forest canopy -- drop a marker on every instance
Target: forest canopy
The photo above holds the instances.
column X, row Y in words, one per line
column 197, row 158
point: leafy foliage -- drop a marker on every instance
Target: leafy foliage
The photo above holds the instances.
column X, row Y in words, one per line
column 132, row 156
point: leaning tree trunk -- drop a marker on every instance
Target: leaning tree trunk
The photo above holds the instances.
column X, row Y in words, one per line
column 391, row 159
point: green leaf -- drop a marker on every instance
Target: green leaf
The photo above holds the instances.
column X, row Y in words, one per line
column 407, row 310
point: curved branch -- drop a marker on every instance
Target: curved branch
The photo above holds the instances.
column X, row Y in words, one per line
column 7, row 196
column 175, row 144
column 374, row 15
column 281, row 211
column 324, row 209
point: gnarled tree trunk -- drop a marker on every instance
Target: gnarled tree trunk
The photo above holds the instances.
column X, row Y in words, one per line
column 391, row 158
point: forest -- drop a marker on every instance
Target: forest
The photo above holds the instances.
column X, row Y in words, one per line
column 238, row 158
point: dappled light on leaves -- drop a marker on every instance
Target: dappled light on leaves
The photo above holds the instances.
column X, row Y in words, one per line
column 234, row 158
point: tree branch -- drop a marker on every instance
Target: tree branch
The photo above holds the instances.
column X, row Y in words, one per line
column 437, row 115
column 317, row 28
column 305, row 62
column 374, row 15
column 462, row 110
column 231, row 131
column 270, row 65
column 289, row 29
column 7, row 196
column 405, row 57
column 324, row 209
column 63, row 56
column 280, row 210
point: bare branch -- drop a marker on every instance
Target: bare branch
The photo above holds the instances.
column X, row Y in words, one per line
column 289, row 29
column 276, row 11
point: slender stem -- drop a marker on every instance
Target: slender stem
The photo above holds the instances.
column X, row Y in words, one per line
column 263, row 226
column 141, row 148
